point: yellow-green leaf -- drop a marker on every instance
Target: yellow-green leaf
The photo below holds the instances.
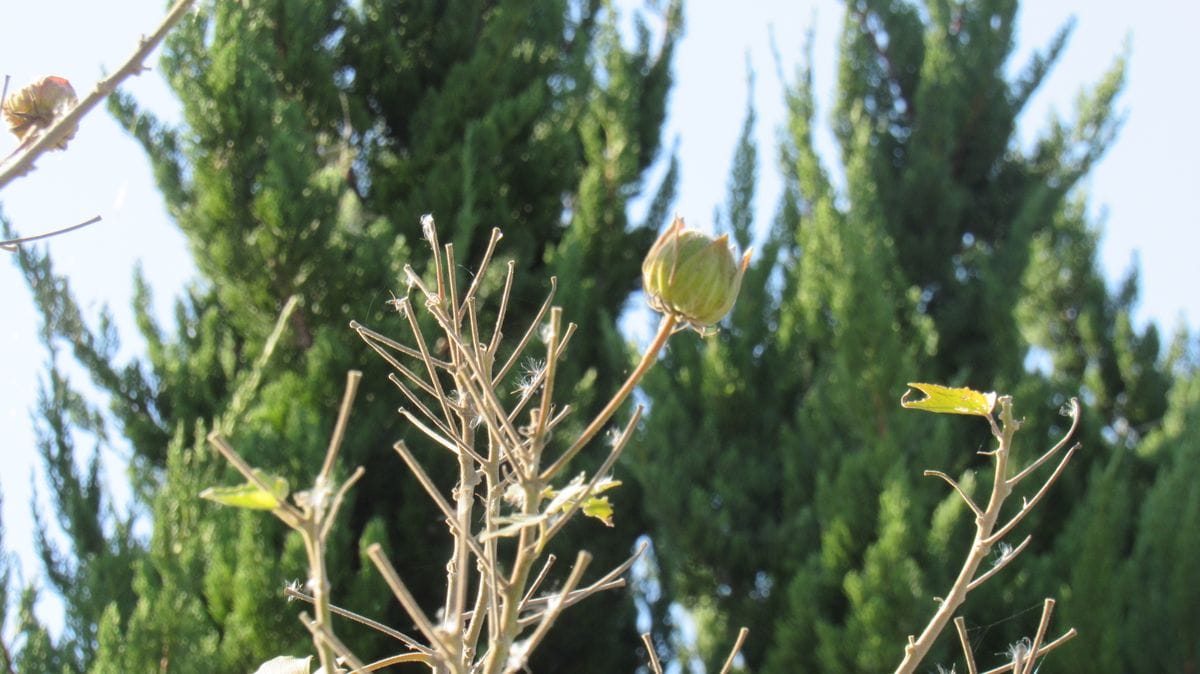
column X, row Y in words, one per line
column 945, row 400
column 599, row 508
column 250, row 495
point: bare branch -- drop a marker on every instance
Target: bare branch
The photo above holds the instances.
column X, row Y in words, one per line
column 14, row 244
column 537, row 581
column 559, row 418
column 961, row 626
column 452, row 286
column 430, row 367
column 353, row 377
column 331, row 515
column 608, row 581
column 485, row 400
column 370, row 336
column 400, row 659
column 1025, row 509
column 737, row 646
column 655, row 665
column 430, row 231
column 482, row 268
column 529, row 333
column 536, row 383
column 543, row 413
column 1043, row 625
column 582, row 559
column 571, row 599
column 420, row 405
column 406, row 599
column 293, row 593
column 665, row 329
column 1000, row 564
column 453, row 445
column 504, row 295
column 949, row 480
column 1074, row 406
column 437, row 498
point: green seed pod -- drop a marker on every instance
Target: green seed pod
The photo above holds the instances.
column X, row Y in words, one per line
column 692, row 275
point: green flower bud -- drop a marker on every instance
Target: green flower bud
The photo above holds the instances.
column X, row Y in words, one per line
column 692, row 276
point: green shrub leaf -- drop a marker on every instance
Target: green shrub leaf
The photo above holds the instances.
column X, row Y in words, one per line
column 250, row 495
column 945, row 400
column 599, row 508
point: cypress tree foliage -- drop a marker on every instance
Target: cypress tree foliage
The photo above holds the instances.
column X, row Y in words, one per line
column 30, row 648
column 949, row 255
column 1165, row 561
column 314, row 134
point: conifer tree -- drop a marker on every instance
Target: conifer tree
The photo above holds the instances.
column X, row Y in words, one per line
column 314, row 135
column 949, row 255
column 1158, row 581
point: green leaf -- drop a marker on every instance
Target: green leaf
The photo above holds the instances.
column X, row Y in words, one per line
column 599, row 508
column 945, row 400
column 250, row 495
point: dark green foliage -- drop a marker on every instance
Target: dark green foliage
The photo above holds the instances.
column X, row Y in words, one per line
column 949, row 255
column 314, row 135
column 1160, row 581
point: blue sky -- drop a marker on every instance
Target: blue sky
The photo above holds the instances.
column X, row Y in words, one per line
column 1141, row 194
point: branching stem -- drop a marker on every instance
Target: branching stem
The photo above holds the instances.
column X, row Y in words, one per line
column 986, row 532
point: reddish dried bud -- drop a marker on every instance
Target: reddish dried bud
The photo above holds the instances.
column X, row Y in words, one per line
column 692, row 275
column 38, row 106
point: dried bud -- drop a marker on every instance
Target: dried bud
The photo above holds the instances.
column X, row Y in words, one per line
column 692, row 276
column 35, row 108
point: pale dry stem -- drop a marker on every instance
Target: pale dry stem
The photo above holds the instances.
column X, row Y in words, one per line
column 737, row 646
column 406, row 599
column 655, row 665
column 960, row 625
column 294, row 593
